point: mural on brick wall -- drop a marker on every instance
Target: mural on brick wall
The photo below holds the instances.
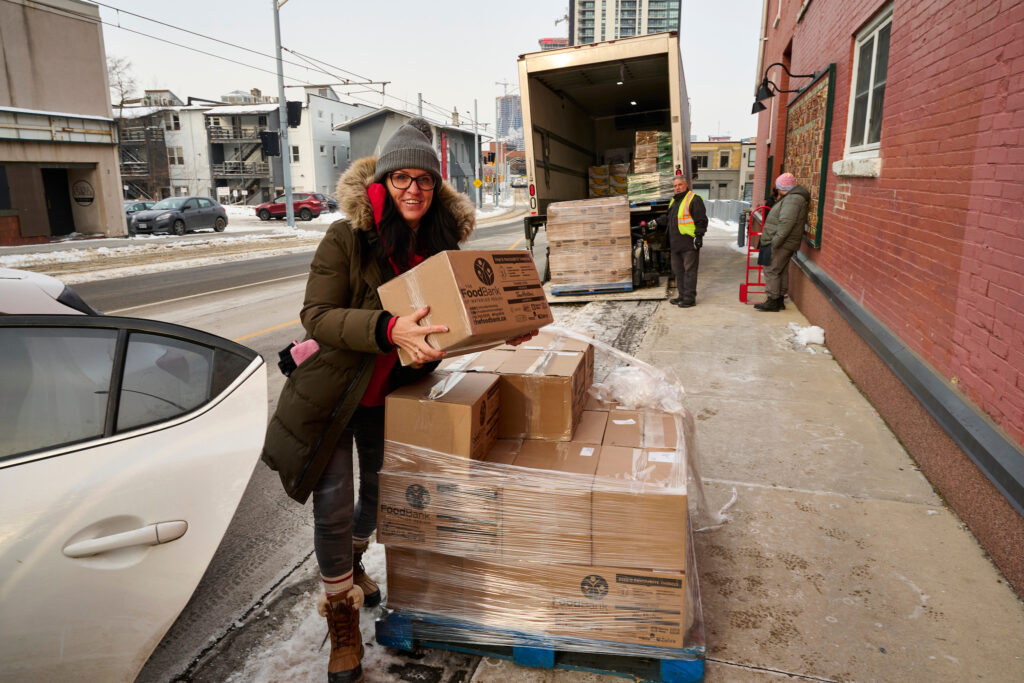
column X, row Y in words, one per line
column 808, row 125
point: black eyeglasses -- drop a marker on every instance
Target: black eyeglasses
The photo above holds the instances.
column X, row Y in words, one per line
column 402, row 181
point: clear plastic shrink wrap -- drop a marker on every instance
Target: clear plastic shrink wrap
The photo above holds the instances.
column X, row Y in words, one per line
column 579, row 538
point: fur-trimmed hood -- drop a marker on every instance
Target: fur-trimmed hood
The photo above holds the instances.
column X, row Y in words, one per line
column 355, row 203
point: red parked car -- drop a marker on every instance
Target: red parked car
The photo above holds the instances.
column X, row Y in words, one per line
column 306, row 206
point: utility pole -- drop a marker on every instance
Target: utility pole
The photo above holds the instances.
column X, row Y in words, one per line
column 476, row 162
column 286, row 150
column 420, row 109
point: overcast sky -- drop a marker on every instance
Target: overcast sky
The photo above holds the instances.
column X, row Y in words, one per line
column 452, row 52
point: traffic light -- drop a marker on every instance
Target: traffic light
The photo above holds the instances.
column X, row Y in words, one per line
column 271, row 143
column 294, row 114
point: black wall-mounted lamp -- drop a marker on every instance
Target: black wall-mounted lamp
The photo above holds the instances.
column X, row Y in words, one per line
column 767, row 89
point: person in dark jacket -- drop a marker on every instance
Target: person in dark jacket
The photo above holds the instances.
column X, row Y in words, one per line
column 686, row 221
column 783, row 229
column 398, row 213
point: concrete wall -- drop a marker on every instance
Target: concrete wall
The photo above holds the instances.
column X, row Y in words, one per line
column 931, row 243
column 53, row 59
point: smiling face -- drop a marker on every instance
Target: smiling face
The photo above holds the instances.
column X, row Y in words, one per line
column 413, row 201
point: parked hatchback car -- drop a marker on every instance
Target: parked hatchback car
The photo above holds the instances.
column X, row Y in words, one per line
column 179, row 215
column 127, row 445
column 306, row 207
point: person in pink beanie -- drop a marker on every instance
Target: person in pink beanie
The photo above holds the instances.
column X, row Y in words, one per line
column 783, row 230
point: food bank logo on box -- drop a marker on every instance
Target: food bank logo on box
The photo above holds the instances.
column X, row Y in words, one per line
column 594, row 587
column 484, row 271
column 417, row 496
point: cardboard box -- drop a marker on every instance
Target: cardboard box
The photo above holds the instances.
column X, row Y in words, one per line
column 593, row 404
column 625, row 428
column 484, row 297
column 461, row 420
column 551, row 341
column 457, row 514
column 590, row 430
column 542, row 394
column 591, row 601
column 546, row 509
column 638, row 514
column 636, row 429
column 478, row 361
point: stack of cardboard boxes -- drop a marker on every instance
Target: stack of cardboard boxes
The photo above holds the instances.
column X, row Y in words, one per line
column 609, row 180
column 652, row 166
column 589, row 242
column 513, row 499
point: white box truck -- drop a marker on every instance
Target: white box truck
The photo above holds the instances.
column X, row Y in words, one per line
column 582, row 107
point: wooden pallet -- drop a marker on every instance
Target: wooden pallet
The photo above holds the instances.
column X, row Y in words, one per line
column 409, row 631
column 559, row 290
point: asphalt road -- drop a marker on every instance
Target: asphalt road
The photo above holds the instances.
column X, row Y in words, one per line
column 255, row 302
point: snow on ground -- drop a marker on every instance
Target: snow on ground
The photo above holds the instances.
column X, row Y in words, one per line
column 731, row 227
column 298, row 656
column 803, row 336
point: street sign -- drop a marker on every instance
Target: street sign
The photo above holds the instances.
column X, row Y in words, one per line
column 477, row 183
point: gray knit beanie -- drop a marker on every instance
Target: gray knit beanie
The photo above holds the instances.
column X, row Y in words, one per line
column 409, row 147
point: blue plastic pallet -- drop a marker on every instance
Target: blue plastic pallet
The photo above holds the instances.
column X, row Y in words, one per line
column 404, row 631
column 562, row 290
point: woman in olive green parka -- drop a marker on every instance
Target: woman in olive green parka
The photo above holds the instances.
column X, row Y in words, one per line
column 399, row 212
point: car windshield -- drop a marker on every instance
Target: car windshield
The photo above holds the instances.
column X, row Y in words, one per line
column 170, row 203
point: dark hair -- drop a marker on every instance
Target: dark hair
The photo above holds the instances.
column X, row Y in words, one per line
column 438, row 232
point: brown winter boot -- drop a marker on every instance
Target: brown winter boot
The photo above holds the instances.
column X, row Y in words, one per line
column 371, row 591
column 342, row 612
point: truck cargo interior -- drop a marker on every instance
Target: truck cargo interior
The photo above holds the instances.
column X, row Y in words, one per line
column 592, row 120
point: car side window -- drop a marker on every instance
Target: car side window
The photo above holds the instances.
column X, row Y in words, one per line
column 55, row 386
column 205, row 203
column 190, row 204
column 163, row 378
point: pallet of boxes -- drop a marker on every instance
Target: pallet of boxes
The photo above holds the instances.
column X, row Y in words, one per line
column 652, row 167
column 523, row 518
column 589, row 246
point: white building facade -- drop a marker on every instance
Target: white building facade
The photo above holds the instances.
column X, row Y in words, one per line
column 319, row 154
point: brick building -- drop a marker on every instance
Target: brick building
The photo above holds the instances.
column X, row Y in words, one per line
column 909, row 133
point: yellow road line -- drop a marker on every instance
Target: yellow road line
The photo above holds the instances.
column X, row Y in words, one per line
column 269, row 329
column 517, row 243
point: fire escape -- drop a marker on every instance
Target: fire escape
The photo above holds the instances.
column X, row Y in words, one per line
column 238, row 160
column 143, row 154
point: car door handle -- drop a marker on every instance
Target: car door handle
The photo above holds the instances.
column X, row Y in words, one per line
column 154, row 534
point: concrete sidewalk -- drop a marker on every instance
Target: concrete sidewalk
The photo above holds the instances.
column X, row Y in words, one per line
column 840, row 562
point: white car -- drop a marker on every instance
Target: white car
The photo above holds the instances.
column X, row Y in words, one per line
column 126, row 446
column 22, row 291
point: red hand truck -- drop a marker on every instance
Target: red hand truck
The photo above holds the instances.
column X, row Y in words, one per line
column 755, row 283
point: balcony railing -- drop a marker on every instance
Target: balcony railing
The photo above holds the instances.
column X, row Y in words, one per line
column 134, row 169
column 220, row 134
column 241, row 168
column 142, row 134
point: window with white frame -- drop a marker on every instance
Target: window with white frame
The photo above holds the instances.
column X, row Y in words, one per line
column 702, row 160
column 334, row 155
column 295, row 154
column 724, row 156
column 171, row 121
column 752, row 157
column 867, row 90
column 323, row 150
column 181, row 191
column 175, row 156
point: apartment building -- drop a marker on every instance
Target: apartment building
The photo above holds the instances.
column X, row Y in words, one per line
column 592, row 21
column 718, row 168
column 320, row 153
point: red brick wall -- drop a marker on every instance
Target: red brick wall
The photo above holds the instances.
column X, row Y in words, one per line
column 934, row 247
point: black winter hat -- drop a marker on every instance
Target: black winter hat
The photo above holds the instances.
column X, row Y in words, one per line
column 409, row 147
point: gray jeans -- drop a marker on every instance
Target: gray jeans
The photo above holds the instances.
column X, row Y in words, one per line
column 336, row 516
column 684, row 269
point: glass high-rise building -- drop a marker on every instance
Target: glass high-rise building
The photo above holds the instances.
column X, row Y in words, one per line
column 591, row 21
column 510, row 121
